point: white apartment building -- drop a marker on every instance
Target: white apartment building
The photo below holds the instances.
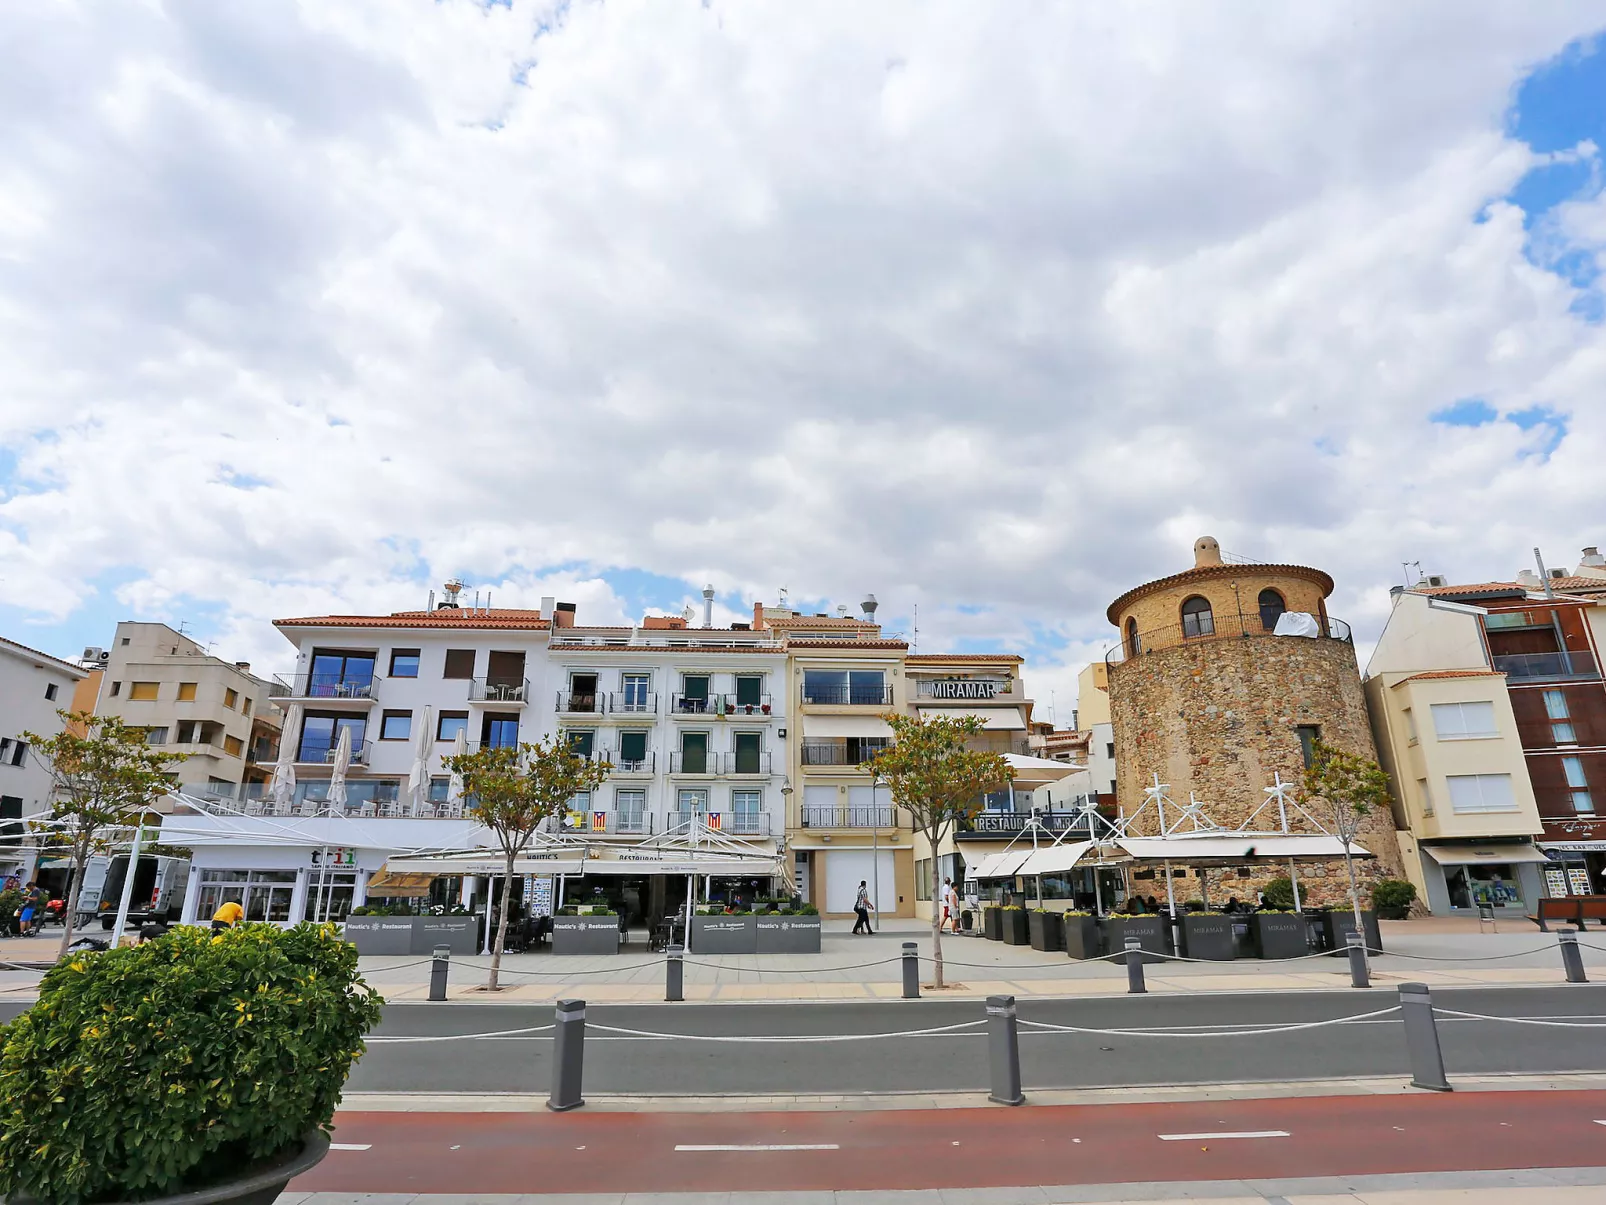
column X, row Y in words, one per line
column 33, row 687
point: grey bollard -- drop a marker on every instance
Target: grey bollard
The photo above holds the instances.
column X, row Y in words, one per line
column 1359, row 976
column 1572, row 958
column 568, row 1056
column 911, row 971
column 675, row 974
column 1422, row 1038
column 437, row 972
column 1134, row 968
column 1003, row 1051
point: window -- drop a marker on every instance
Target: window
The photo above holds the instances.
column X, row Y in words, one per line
column 459, row 663
column 320, row 736
column 865, row 687
column 233, row 746
column 1410, row 725
column 440, row 789
column 231, row 698
column 747, row 752
column 19, row 752
column 689, row 803
column 51, row 691
column 1109, row 750
column 1427, row 796
column 264, row 894
column 747, row 812
column 637, row 692
column 451, row 725
column 1490, row 884
column 630, row 809
column 582, row 741
column 1272, row 606
column 749, row 690
column 694, row 753
column 186, row 692
column 117, row 689
column 124, row 642
column 1561, row 730
column 245, row 708
column 143, row 692
column 156, row 736
column 1134, row 646
column 500, row 731
column 340, row 675
column 1464, row 721
column 693, row 693
column 1309, row 735
column 1573, row 767
column 923, row 879
column 396, row 725
column 11, row 809
column 632, row 750
column 1197, row 618
column 1470, row 793
column 404, row 663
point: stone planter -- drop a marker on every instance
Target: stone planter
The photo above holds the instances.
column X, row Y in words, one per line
column 1017, row 932
column 260, row 1185
column 1208, row 935
column 1279, row 935
column 1046, row 930
column 1337, row 926
column 787, row 934
column 1148, row 930
column 724, row 934
column 585, row 934
column 992, row 924
column 1080, row 936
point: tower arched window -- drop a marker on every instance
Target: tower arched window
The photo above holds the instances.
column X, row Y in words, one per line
column 1197, row 618
column 1272, row 607
column 1133, row 645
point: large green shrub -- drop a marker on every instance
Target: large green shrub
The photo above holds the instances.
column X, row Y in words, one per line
column 156, row 1068
column 1279, row 893
column 1392, row 897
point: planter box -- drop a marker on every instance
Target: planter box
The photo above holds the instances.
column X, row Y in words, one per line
column 787, row 934
column 1080, row 936
column 1279, row 934
column 413, row 934
column 1208, row 936
column 724, row 934
column 1017, row 932
column 992, row 924
column 1047, row 930
column 460, row 933
column 262, row 1183
column 1337, row 926
column 1149, row 930
column 585, row 934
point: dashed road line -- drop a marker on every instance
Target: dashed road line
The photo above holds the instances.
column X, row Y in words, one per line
column 1225, row 1134
column 351, row 1146
column 768, row 1146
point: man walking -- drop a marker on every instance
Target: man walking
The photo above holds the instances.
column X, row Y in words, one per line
column 861, row 909
column 950, row 906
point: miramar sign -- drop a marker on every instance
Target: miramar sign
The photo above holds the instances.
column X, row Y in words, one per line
column 961, row 688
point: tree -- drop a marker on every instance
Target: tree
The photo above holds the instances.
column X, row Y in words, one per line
column 105, row 775
column 511, row 790
column 1342, row 790
column 938, row 781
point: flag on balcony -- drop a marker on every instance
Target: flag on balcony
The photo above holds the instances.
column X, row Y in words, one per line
column 574, row 820
column 599, row 822
column 713, row 820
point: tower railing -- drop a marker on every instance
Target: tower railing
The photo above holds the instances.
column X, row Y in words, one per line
column 1222, row 625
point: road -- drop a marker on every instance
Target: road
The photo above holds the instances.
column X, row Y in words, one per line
column 481, row 1153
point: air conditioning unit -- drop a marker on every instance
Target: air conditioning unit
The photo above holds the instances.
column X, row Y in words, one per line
column 1438, row 580
column 1558, row 573
column 100, row 656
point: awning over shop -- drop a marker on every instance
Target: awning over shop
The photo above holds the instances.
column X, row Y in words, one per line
column 627, row 866
column 1000, row 866
column 1236, row 849
column 1056, row 859
column 845, row 725
column 994, row 719
column 1471, row 855
column 390, row 882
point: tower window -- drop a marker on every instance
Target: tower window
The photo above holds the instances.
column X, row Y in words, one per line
column 1308, row 735
column 1272, row 607
column 1133, row 645
column 1197, row 618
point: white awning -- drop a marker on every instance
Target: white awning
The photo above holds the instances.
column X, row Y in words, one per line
column 1056, row 859
column 1039, row 771
column 1472, row 855
column 1218, row 849
column 630, row 865
column 845, row 725
column 996, row 719
column 1000, row 866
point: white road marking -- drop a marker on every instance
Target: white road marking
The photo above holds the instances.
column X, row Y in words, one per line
column 772, row 1146
column 1599, row 1122
column 1225, row 1134
column 351, row 1146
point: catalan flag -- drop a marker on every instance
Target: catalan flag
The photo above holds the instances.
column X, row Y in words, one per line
column 599, row 822
column 713, row 820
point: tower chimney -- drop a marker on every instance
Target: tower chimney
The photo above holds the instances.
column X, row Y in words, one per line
column 708, row 606
column 452, row 589
column 868, row 606
column 1206, row 551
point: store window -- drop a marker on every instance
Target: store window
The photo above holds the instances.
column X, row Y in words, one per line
column 329, row 894
column 264, row 894
column 1492, row 884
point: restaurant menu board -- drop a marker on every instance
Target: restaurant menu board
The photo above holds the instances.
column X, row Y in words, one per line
column 1578, row 880
column 1555, row 881
column 1567, row 880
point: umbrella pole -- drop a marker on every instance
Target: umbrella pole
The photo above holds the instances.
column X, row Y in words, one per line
column 1293, row 879
column 1098, row 894
column 1171, row 901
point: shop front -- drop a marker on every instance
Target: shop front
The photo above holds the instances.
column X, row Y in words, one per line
column 1574, row 868
column 1463, row 877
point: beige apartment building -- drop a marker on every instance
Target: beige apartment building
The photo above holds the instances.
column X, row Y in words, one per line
column 214, row 712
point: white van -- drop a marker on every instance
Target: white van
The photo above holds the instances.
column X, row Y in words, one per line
column 158, row 895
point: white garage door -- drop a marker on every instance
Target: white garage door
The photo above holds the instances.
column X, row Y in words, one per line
column 843, row 871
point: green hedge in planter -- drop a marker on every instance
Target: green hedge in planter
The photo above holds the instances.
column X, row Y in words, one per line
column 1393, row 898
column 158, row 1068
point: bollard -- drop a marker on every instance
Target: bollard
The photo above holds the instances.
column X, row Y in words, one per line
column 1422, row 1038
column 1572, row 959
column 1359, row 976
column 437, row 972
column 568, row 1056
column 1134, row 967
column 675, row 974
column 1003, row 1051
column 911, row 971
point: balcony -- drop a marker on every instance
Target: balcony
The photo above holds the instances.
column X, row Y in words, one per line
column 632, row 703
column 631, row 824
column 694, row 764
column 1546, row 665
column 625, row 766
column 848, row 696
column 847, row 817
column 841, row 753
column 758, row 706
column 693, row 705
column 743, row 824
column 590, row 703
column 326, row 688
column 1218, row 625
column 317, row 753
column 515, row 691
column 741, row 764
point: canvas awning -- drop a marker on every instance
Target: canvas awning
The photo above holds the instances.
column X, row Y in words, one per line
column 1472, row 855
column 676, row 863
column 1236, row 849
column 1056, row 859
column 1039, row 771
column 1000, row 866
column 390, row 882
column 845, row 725
column 994, row 719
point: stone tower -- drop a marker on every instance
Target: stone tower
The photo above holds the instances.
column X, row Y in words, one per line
column 1204, row 693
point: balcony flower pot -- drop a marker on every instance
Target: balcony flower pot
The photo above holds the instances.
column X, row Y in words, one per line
column 1046, row 930
column 1079, row 932
column 765, row 708
column 1279, row 934
column 1148, row 930
column 1017, row 932
column 992, row 924
column 1208, row 935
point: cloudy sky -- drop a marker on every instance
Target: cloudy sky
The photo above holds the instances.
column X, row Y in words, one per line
column 989, row 309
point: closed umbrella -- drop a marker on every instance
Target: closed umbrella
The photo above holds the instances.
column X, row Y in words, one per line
column 459, row 748
column 418, row 778
column 283, row 787
column 337, row 778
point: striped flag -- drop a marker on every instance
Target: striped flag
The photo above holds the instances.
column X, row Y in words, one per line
column 599, row 822
column 713, row 820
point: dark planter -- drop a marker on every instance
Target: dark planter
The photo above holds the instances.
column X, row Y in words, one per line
column 1016, row 930
column 724, row 935
column 1081, row 936
column 585, row 934
column 1047, row 930
column 1148, row 930
column 413, row 934
column 1279, row 935
column 260, row 1185
column 1396, row 912
column 1337, row 926
column 1208, row 935
column 992, row 924
column 787, row 934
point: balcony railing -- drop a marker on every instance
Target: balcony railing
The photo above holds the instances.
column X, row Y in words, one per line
column 631, row 703
column 757, row 706
column 645, row 764
column 326, row 687
column 316, row 753
column 1217, row 625
column 630, row 824
column 849, row 696
column 694, row 763
column 574, row 703
column 754, row 762
column 847, row 817
column 1547, row 665
column 827, row 753
column 693, row 705
column 745, row 824
column 499, row 690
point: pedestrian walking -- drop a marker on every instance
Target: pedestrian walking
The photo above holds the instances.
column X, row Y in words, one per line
column 950, row 906
column 861, row 909
column 32, row 916
column 227, row 916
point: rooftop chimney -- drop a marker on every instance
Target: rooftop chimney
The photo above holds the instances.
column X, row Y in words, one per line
column 1527, row 577
column 1206, row 552
column 1593, row 557
column 708, row 606
column 868, row 606
column 452, row 588
column 547, row 602
column 243, row 666
column 563, row 615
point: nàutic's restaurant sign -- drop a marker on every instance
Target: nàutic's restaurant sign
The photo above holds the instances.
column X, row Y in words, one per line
column 962, row 688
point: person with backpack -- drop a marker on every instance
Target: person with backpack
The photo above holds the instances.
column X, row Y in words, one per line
column 861, row 909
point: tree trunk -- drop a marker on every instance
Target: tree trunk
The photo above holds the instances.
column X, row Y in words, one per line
column 936, row 915
column 80, row 855
column 501, row 926
column 1354, row 892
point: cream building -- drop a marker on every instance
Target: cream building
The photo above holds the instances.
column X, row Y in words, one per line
column 34, row 686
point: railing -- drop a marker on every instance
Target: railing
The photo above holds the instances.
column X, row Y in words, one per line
column 499, row 690
column 828, row 753
column 629, row 765
column 755, row 762
column 571, row 703
column 853, row 696
column 847, row 817
column 1216, row 625
column 757, row 707
column 693, row 705
column 624, row 703
column 325, row 687
column 630, row 824
column 745, row 824
column 1546, row 665
column 320, row 754
column 693, row 763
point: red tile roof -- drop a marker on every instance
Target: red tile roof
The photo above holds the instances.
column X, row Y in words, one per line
column 1454, row 673
column 446, row 617
column 1473, row 590
column 925, row 658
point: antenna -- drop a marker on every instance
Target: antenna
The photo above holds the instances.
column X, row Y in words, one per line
column 914, row 645
column 1406, row 567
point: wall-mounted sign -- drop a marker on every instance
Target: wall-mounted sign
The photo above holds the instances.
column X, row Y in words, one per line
column 961, row 688
column 334, row 857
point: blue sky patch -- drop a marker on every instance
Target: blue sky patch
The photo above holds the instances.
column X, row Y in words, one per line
column 1550, row 426
column 1468, row 412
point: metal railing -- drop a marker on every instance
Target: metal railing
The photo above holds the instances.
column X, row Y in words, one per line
column 645, row 764
column 847, row 817
column 693, row 763
column 759, row 706
column 745, row 824
column 849, row 696
column 575, row 703
column 624, row 703
column 693, row 705
column 325, row 687
column 499, row 690
column 310, row 804
column 753, row 762
column 316, row 753
column 1546, row 665
column 839, row 753
column 630, row 824
column 1216, row 625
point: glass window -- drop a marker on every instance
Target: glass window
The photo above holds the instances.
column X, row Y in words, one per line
column 1582, row 800
column 459, row 663
column 1491, row 885
column 747, row 802
column 156, row 736
column 186, row 692
column 689, row 802
column 1427, row 796
column 233, row 746
column 452, row 723
column 117, row 689
column 694, row 752
column 245, row 708
column 1480, row 793
column 923, row 878
column 329, row 893
column 1309, row 735
column 747, row 752
column 264, row 894
column 143, row 692
column 404, row 663
column 320, row 734
column 1197, row 618
column 630, row 803
column 500, row 731
column 1272, row 607
column 51, row 690
column 1410, row 725
column 1464, row 721
column 440, row 789
column 637, row 692
column 632, row 750
column 749, row 690
column 825, row 686
column 582, row 741
column 1134, row 645
column 396, row 726
column 230, row 698
column 1556, row 705
column 338, row 675
column 867, row 687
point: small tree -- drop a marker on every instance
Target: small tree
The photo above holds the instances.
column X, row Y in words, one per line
column 938, row 781
column 1342, row 790
column 105, row 775
column 511, row 789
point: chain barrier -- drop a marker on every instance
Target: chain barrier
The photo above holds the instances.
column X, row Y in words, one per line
column 21, row 966
column 1450, row 1012
column 859, row 966
column 507, row 970
column 1215, row 1033
column 783, row 1038
column 1438, row 958
column 465, row 1037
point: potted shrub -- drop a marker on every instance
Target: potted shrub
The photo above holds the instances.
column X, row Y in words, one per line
column 1148, row 930
column 1079, row 933
column 190, row 1064
column 1339, row 923
column 765, row 708
column 1046, row 932
column 1016, row 930
column 1393, row 898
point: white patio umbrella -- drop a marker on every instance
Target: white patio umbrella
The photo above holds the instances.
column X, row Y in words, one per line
column 459, row 747
column 283, row 787
column 418, row 777
column 337, row 777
